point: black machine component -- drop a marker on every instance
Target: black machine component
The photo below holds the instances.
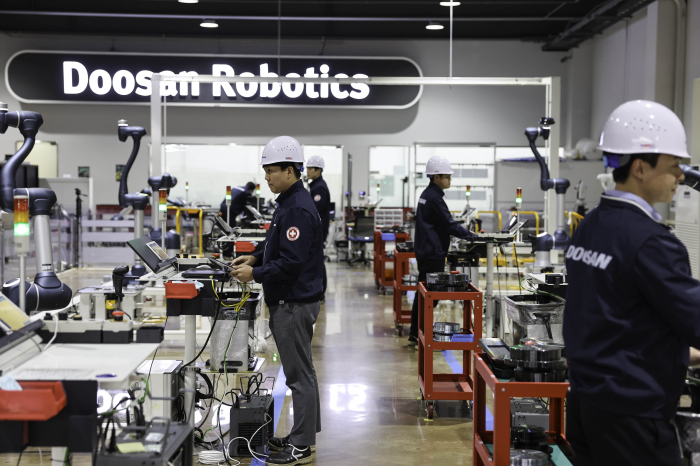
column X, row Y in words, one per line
column 692, row 177
column 530, row 437
column 496, row 352
column 538, row 362
column 529, row 411
column 405, row 247
column 47, row 292
column 156, row 444
column 251, row 417
column 546, row 242
column 118, row 275
column 528, row 458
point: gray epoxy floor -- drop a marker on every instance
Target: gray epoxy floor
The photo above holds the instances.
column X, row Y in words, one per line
column 371, row 407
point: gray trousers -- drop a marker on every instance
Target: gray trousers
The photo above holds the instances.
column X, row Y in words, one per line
column 292, row 326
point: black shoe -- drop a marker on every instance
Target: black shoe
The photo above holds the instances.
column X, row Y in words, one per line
column 279, row 443
column 291, row 455
column 412, row 341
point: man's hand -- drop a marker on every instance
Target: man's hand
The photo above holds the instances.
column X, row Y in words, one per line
column 244, row 260
column 694, row 357
column 243, row 273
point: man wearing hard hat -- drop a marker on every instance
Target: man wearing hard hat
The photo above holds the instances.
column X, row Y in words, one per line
column 434, row 225
column 290, row 268
column 239, row 199
column 632, row 307
column 322, row 198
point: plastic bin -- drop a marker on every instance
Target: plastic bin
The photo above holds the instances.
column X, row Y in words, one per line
column 37, row 401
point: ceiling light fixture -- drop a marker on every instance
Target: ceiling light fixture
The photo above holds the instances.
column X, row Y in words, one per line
column 444, row 3
column 208, row 23
column 188, row 1
column 433, row 26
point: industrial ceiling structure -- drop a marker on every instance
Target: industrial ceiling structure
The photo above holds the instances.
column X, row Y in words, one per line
column 558, row 24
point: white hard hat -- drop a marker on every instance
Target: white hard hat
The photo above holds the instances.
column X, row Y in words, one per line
column 282, row 149
column 438, row 165
column 315, row 161
column 644, row 127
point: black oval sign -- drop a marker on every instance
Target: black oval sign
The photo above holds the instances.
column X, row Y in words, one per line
column 125, row 78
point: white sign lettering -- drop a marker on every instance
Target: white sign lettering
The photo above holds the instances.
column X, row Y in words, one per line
column 77, row 79
column 592, row 258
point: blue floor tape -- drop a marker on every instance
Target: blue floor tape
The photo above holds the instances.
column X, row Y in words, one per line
column 457, row 368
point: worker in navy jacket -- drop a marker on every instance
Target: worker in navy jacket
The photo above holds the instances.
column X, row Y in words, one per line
column 434, row 226
column 319, row 191
column 322, row 198
column 239, row 199
column 632, row 307
column 290, row 268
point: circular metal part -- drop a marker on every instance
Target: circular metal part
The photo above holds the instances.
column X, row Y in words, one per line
column 536, row 352
column 447, row 327
column 559, row 364
column 442, row 337
column 524, row 375
column 528, row 458
column 528, row 434
column 457, row 279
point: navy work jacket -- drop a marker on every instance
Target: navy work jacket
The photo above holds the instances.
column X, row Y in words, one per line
column 239, row 198
column 322, row 199
column 632, row 311
column 434, row 225
column 290, row 266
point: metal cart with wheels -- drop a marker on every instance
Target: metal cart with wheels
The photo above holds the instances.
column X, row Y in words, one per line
column 460, row 386
column 492, row 447
column 401, row 268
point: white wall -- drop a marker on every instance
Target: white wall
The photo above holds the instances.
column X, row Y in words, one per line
column 635, row 59
column 86, row 134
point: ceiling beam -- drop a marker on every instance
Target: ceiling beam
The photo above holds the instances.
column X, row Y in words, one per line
column 283, row 18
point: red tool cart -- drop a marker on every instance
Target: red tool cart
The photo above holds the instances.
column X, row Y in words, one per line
column 492, row 447
column 435, row 387
column 401, row 268
column 383, row 277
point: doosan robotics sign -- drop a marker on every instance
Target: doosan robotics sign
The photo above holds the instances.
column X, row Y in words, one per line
column 125, row 78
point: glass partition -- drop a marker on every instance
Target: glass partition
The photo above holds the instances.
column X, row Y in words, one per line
column 388, row 175
column 209, row 168
column 473, row 165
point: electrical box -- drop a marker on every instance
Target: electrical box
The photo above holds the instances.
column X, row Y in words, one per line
column 529, row 411
column 164, row 382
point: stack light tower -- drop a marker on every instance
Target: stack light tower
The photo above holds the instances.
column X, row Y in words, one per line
column 21, row 239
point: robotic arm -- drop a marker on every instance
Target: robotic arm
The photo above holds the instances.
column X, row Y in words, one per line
column 47, row 292
column 546, row 242
column 138, row 201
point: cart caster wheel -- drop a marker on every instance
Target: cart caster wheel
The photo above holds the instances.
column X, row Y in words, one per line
column 399, row 330
column 431, row 410
column 383, row 291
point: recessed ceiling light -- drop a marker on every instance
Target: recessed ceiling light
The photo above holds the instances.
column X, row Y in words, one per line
column 443, row 3
column 433, row 26
column 188, row 1
column 208, row 23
